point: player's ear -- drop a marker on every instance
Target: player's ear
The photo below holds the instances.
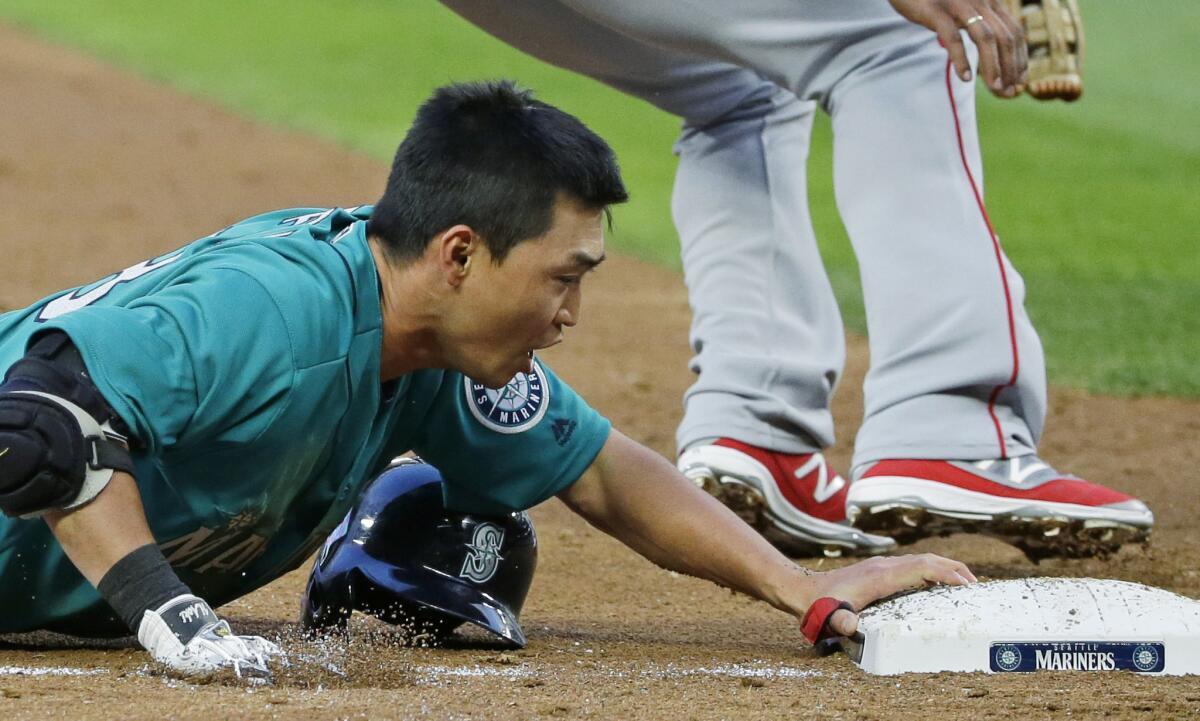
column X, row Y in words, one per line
column 456, row 249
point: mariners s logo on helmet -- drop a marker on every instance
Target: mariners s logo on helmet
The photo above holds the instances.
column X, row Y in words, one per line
column 484, row 557
column 516, row 407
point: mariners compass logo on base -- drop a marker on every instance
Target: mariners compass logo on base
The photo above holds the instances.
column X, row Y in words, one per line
column 1146, row 657
column 516, row 407
column 1006, row 657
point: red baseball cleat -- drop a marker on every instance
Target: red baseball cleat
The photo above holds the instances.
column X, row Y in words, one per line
column 794, row 500
column 1020, row 500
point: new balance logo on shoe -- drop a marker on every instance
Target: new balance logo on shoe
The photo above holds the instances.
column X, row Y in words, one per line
column 826, row 487
column 793, row 499
column 1021, row 500
column 1016, row 473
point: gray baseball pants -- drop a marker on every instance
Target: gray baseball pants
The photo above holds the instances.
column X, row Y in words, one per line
column 957, row 370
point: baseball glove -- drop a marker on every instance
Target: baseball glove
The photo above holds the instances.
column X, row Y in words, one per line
column 1054, row 33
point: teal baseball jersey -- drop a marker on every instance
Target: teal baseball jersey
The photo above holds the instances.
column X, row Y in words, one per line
column 246, row 365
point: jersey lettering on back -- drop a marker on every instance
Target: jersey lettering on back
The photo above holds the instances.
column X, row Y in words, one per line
column 64, row 304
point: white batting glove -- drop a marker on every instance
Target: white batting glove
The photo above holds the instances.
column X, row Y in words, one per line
column 186, row 635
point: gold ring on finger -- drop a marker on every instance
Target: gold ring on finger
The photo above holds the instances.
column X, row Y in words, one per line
column 972, row 20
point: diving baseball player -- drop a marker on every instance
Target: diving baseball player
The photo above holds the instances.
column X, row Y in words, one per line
column 956, row 393
column 184, row 431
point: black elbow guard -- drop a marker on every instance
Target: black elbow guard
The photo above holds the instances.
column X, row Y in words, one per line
column 59, row 440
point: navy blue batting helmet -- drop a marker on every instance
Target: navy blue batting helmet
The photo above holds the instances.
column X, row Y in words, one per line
column 401, row 556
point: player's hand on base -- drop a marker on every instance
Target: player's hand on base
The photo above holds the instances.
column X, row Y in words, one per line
column 875, row 578
column 1003, row 52
column 186, row 635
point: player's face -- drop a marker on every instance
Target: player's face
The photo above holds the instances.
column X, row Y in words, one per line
column 525, row 303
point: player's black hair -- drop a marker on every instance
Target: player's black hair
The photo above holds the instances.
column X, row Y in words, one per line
column 489, row 156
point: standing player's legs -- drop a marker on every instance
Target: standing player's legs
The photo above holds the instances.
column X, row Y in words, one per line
column 956, row 394
column 766, row 331
column 765, row 327
column 958, row 369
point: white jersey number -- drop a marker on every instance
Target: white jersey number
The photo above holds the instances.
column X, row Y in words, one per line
column 64, row 304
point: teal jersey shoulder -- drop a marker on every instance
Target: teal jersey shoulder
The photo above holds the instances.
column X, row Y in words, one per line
column 203, row 342
column 505, row 449
column 246, row 365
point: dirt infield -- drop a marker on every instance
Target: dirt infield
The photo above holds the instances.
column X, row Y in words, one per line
column 99, row 169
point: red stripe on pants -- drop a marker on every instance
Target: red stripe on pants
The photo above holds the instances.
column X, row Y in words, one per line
column 1012, row 326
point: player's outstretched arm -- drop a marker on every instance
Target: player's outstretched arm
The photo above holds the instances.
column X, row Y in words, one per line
column 67, row 460
column 110, row 543
column 99, row 534
column 638, row 497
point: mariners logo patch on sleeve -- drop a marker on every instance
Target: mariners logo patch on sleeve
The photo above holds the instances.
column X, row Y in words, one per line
column 516, row 407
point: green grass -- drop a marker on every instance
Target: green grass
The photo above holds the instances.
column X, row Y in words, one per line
column 1096, row 201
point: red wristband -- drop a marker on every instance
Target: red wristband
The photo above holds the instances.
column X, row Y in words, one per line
column 815, row 624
